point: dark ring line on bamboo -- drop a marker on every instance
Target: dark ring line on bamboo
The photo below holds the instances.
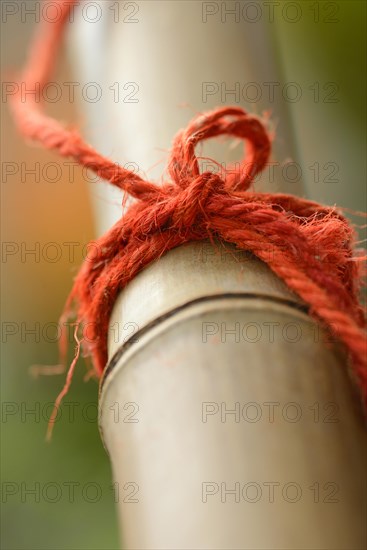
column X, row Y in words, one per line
column 160, row 319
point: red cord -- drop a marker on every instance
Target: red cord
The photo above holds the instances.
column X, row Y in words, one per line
column 194, row 207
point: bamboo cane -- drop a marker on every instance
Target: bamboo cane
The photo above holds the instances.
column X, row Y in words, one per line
column 230, row 423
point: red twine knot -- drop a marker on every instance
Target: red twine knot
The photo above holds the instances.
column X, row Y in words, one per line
column 200, row 206
column 194, row 200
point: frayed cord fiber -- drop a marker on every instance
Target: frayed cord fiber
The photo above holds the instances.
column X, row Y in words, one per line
column 312, row 245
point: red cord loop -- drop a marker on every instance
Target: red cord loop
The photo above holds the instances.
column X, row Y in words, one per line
column 231, row 121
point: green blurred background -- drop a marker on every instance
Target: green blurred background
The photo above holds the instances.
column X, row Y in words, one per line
column 33, row 291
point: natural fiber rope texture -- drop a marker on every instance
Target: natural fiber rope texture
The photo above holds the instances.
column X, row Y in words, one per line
column 312, row 245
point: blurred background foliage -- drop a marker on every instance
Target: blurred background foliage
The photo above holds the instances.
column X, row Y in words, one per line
column 34, row 291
